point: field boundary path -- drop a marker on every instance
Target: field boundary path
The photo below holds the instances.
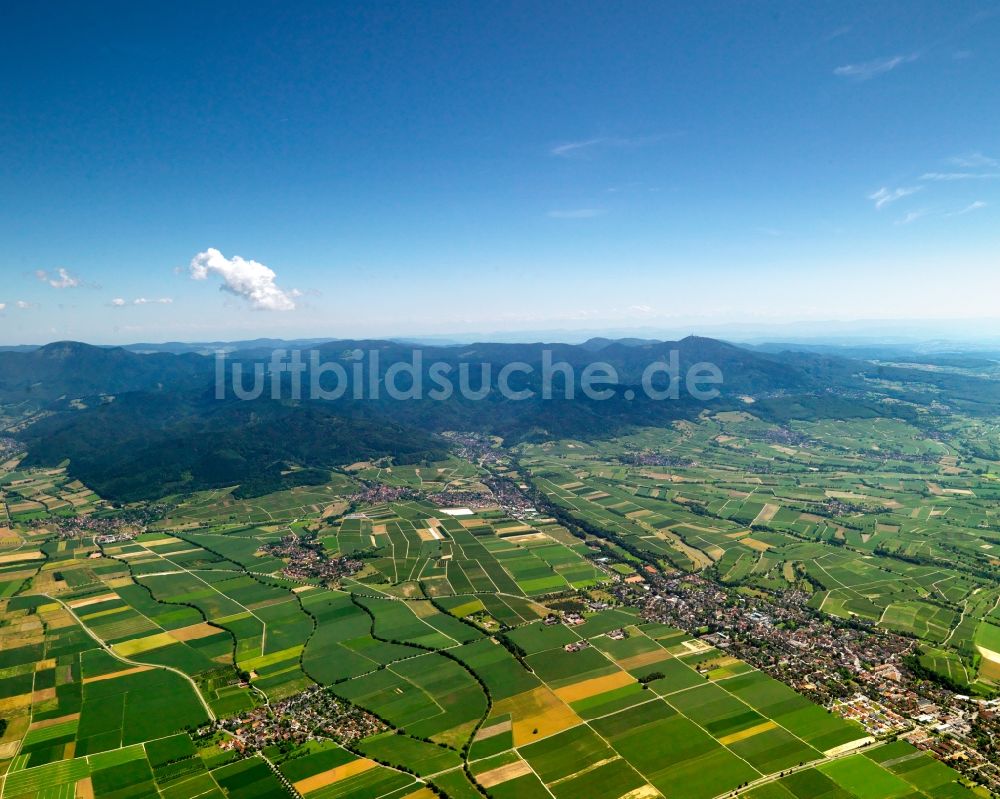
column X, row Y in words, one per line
column 107, row 648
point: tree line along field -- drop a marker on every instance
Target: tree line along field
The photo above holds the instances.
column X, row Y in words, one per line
column 107, row 662
column 878, row 520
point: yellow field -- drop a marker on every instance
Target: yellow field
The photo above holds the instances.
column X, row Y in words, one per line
column 138, row 645
column 519, row 528
column 645, row 659
column 538, row 709
column 767, row 513
column 57, row 619
column 469, row 607
column 114, row 674
column 849, row 746
column 161, row 542
column 753, row 543
column 422, row 610
column 526, row 537
column 91, row 600
column 14, row 702
column 8, row 537
column 493, row 729
column 324, row 778
column 592, row 687
column 989, row 666
column 643, row 792
column 14, row 557
column 742, row 735
column 723, row 662
column 195, row 631
column 333, row 509
column 103, row 613
column 503, row 774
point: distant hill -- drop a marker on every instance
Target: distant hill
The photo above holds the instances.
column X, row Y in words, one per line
column 138, row 426
column 71, row 369
column 597, row 343
column 211, row 347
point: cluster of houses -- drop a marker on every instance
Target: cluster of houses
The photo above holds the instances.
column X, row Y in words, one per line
column 877, row 719
column 381, row 494
column 310, row 715
column 849, row 666
column 308, row 560
column 9, row 447
column 108, row 529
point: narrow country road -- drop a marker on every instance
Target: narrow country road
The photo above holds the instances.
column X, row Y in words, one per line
column 107, row 648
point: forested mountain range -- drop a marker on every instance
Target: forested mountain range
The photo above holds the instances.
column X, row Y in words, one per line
column 146, row 425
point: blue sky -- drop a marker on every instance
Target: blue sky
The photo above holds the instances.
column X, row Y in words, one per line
column 445, row 167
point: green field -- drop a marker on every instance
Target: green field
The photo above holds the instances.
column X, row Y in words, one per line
column 441, row 634
column 879, row 520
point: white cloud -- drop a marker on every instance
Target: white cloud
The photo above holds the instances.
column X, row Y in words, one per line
column 974, row 160
column 569, row 149
column 250, row 280
column 3, row 306
column 60, row 279
column 574, row 146
column 959, row 175
column 884, row 195
column 912, row 216
column 973, row 206
column 24, row 306
column 577, row 213
column 869, row 69
column 120, row 302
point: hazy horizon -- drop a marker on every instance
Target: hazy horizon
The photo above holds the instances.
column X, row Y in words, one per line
column 905, row 334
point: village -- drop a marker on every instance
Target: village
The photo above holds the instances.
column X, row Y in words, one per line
column 850, row 667
column 307, row 560
column 9, row 447
column 313, row 714
column 111, row 528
